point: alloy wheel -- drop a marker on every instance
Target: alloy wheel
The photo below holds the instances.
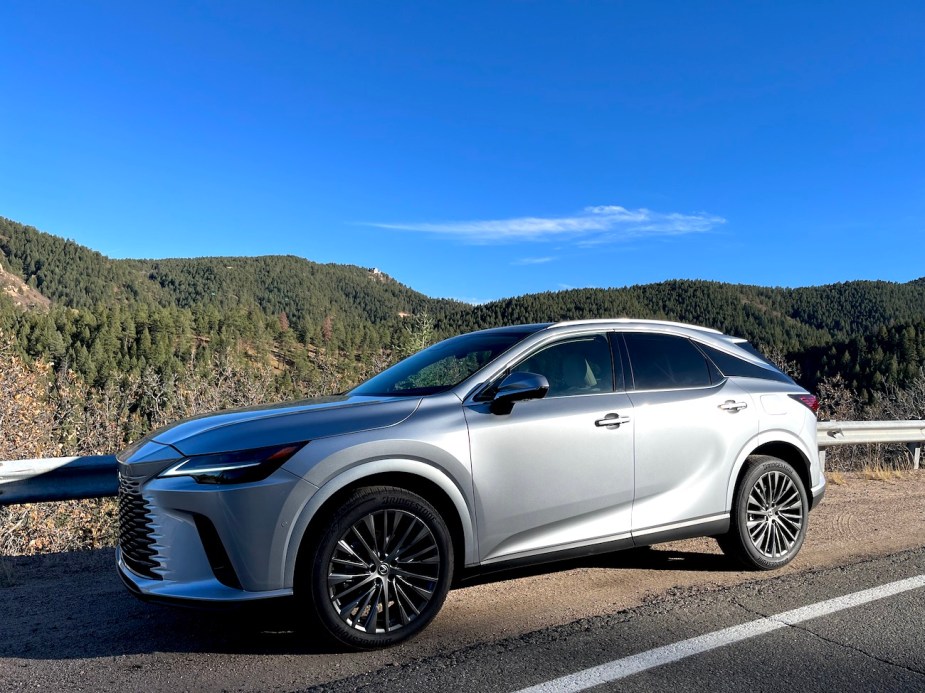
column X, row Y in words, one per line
column 384, row 571
column 774, row 514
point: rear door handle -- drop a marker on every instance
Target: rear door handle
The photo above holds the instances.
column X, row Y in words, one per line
column 732, row 406
column 612, row 420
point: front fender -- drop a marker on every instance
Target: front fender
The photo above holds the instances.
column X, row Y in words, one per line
column 357, row 473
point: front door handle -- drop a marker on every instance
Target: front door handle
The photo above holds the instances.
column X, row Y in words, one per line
column 612, row 420
column 732, row 406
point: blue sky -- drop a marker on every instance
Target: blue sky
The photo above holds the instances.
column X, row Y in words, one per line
column 477, row 150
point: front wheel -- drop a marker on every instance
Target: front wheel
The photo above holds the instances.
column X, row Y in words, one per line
column 381, row 570
column 769, row 513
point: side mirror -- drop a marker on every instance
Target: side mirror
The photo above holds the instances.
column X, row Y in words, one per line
column 517, row 387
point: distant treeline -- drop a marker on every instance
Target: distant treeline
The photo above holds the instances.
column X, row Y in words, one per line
column 110, row 319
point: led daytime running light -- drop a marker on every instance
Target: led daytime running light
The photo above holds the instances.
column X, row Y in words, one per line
column 271, row 458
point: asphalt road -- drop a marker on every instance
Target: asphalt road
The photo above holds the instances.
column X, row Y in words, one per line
column 876, row 646
column 69, row 625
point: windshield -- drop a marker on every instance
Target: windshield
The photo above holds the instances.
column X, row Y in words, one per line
column 443, row 365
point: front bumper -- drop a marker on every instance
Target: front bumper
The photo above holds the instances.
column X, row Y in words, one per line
column 186, row 542
column 193, row 593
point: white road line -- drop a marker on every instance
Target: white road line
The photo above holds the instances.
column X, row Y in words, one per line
column 627, row 666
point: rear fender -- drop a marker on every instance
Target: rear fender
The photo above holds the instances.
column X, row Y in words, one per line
column 775, row 436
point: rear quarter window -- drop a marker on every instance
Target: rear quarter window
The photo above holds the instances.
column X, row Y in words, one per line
column 732, row 366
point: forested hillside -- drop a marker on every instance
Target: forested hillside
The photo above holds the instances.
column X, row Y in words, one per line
column 97, row 352
column 307, row 292
column 331, row 324
column 68, row 273
column 304, row 291
column 788, row 319
column 891, row 357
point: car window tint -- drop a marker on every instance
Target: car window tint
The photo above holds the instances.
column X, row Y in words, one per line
column 443, row 365
column 574, row 367
column 663, row 362
column 733, row 366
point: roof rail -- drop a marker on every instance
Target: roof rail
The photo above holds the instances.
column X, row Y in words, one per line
column 666, row 323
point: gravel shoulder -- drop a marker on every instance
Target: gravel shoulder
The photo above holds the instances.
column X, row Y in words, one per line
column 69, row 623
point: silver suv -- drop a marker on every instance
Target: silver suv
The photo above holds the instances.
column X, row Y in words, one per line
column 518, row 444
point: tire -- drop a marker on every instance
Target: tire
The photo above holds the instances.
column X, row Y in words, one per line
column 380, row 571
column 769, row 515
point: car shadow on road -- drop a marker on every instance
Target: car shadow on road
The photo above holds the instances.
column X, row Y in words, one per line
column 74, row 606
column 644, row 558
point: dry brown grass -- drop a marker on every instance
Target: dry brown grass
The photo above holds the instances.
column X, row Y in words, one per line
column 879, row 473
column 835, row 477
column 37, row 420
column 53, row 527
column 46, row 414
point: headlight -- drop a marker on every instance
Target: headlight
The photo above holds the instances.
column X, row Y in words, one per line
column 235, row 467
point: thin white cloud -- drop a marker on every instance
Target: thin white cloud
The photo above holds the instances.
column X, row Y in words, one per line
column 592, row 226
column 533, row 260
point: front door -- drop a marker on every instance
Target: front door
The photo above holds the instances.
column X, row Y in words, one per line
column 554, row 473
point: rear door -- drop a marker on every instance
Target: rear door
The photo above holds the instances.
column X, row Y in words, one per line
column 691, row 424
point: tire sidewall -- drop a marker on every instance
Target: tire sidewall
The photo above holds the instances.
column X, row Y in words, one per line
column 758, row 469
column 356, row 506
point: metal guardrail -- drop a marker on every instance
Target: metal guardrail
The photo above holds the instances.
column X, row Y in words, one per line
column 75, row 478
column 57, row 479
column 835, row 433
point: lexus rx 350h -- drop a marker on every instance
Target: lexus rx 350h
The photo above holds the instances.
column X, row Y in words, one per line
column 518, row 444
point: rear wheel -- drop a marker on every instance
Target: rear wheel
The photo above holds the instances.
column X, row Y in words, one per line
column 381, row 570
column 769, row 513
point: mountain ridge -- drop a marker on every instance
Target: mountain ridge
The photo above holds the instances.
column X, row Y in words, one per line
column 120, row 316
column 48, row 263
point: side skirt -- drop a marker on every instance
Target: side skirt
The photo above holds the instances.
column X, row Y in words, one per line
column 701, row 527
column 512, row 564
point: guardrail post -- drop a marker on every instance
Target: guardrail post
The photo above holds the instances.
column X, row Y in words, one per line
column 916, row 450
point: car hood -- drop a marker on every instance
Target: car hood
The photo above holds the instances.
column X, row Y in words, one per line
column 279, row 424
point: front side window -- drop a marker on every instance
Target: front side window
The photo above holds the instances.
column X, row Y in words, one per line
column 578, row 366
column 666, row 362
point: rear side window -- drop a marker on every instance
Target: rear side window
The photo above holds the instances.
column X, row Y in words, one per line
column 666, row 362
column 732, row 366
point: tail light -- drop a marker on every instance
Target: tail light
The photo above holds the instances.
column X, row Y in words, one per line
column 810, row 401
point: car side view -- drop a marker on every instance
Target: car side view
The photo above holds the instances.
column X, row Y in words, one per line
column 519, row 444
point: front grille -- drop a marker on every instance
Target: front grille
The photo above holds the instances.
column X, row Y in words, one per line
column 135, row 529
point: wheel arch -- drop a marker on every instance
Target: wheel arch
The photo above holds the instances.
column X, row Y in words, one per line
column 790, row 454
column 787, row 451
column 416, row 476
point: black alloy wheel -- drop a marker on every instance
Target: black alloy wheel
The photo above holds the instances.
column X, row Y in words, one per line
column 382, row 569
